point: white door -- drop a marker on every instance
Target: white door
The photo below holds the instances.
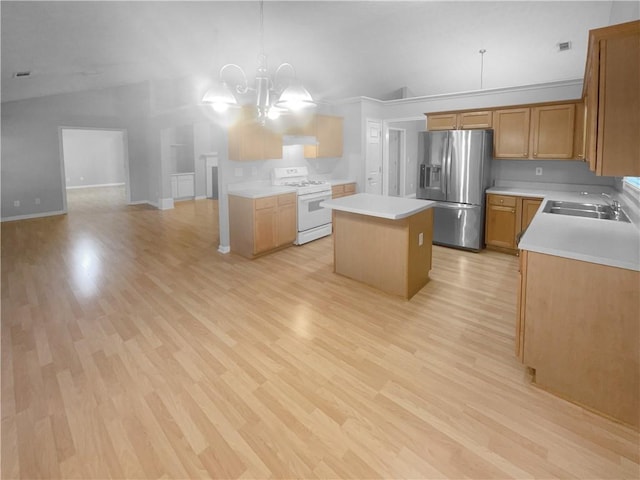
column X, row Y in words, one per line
column 373, row 159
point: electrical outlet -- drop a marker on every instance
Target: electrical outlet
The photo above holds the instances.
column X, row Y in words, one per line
column 420, row 239
column 238, row 172
column 16, row 203
column 37, row 201
column 538, row 171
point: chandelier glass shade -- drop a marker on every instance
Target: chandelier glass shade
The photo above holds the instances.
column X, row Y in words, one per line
column 273, row 95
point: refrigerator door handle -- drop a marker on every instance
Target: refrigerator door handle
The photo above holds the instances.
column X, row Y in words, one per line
column 455, row 206
column 423, row 174
column 447, row 166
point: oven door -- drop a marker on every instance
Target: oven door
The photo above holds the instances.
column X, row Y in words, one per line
column 310, row 213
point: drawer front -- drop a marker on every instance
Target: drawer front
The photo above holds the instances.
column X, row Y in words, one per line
column 503, row 200
column 266, row 202
column 287, row 199
column 350, row 188
column 337, row 191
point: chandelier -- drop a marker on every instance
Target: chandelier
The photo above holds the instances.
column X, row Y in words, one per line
column 272, row 96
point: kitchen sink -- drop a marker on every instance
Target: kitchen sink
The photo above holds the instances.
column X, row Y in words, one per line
column 588, row 210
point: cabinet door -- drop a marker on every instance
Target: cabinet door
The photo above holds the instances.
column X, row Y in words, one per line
column 591, row 108
column 469, row 120
column 349, row 189
column 248, row 140
column 337, row 191
column 329, row 134
column 264, row 230
column 521, row 305
column 446, row 121
column 617, row 145
column 186, row 187
column 286, row 224
column 511, row 133
column 579, row 128
column 529, row 208
column 552, row 127
column 501, row 221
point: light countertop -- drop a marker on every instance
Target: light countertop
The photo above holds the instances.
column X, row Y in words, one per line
column 261, row 191
column 339, row 181
column 393, row 208
column 605, row 242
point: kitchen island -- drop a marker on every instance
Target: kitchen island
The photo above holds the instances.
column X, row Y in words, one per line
column 383, row 241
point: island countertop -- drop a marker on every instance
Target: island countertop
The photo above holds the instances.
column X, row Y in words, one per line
column 381, row 206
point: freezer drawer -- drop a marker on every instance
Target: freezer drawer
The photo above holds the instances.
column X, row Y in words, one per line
column 458, row 225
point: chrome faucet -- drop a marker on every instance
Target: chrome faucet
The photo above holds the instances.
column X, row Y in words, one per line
column 615, row 205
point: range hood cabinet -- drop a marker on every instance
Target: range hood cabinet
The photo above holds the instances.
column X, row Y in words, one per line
column 299, row 140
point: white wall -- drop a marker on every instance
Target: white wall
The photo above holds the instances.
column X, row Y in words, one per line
column 93, row 157
column 31, row 144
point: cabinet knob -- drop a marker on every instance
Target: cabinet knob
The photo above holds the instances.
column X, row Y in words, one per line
column 501, row 201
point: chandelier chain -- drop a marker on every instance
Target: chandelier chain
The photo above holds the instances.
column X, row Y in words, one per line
column 262, row 27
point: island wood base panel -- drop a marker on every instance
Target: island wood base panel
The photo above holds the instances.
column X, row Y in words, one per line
column 383, row 253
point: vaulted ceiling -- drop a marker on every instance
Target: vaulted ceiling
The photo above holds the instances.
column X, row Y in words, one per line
column 340, row 49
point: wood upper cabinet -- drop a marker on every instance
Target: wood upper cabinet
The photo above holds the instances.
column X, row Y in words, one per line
column 552, row 131
column 612, row 99
column 248, row 140
column 470, row 120
column 507, row 217
column 511, row 132
column 261, row 225
column 459, row 121
column 329, row 132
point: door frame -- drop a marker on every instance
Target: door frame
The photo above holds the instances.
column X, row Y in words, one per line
column 125, row 155
column 365, row 145
column 385, row 149
column 402, row 159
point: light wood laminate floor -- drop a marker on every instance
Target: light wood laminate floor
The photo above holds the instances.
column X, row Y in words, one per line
column 132, row 349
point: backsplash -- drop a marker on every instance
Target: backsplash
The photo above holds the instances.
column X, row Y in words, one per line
column 552, row 171
column 292, row 156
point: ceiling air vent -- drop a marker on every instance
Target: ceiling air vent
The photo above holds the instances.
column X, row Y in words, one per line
column 23, row 74
column 564, row 46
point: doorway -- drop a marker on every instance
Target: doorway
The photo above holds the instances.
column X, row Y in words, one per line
column 397, row 173
column 373, row 158
column 95, row 168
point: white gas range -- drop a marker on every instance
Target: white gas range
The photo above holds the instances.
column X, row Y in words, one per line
column 313, row 220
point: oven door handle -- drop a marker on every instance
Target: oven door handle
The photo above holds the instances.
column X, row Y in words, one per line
column 311, row 198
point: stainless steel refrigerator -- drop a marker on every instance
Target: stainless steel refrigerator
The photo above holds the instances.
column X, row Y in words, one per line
column 454, row 169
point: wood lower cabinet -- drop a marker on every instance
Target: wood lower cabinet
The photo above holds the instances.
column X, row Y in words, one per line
column 578, row 329
column 507, row 217
column 261, row 225
column 529, row 208
column 501, row 221
column 344, row 190
column 612, row 101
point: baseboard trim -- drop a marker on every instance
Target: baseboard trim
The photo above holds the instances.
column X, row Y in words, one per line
column 33, row 215
column 165, row 204
column 201, row 197
column 98, row 185
column 224, row 249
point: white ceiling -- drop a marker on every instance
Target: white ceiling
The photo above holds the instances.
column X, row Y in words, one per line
column 340, row 49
